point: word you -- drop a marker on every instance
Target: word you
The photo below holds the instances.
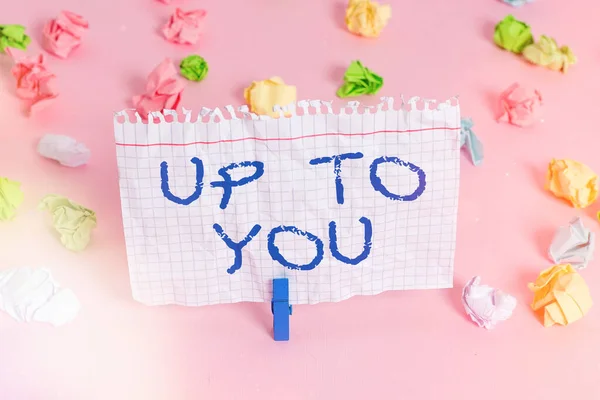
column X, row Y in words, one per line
column 227, row 184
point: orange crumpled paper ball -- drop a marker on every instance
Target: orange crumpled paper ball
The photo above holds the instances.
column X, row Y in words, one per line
column 163, row 89
column 34, row 82
column 367, row 18
column 561, row 296
column 184, row 27
column 572, row 181
column 63, row 34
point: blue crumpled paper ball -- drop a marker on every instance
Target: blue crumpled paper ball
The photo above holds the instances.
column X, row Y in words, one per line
column 517, row 3
column 470, row 141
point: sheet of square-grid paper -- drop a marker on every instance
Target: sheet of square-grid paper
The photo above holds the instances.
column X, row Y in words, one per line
column 176, row 257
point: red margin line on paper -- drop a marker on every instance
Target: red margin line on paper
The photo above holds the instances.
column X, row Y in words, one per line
column 282, row 139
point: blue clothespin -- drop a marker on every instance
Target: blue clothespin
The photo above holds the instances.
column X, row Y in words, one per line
column 468, row 138
column 281, row 309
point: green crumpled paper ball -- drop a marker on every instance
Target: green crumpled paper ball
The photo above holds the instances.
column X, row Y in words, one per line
column 512, row 34
column 13, row 36
column 193, row 68
column 359, row 80
column 11, row 197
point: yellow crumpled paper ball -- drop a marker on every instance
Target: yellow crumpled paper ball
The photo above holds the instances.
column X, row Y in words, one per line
column 573, row 181
column 73, row 221
column 547, row 54
column 367, row 18
column 262, row 96
column 11, row 197
column 561, row 296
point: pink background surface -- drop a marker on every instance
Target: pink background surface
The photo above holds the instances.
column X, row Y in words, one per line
column 398, row 345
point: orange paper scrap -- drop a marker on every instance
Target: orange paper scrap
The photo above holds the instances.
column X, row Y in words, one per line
column 573, row 181
column 367, row 18
column 262, row 96
column 561, row 296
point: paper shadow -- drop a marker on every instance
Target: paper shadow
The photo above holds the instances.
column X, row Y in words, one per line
column 454, row 297
column 135, row 85
column 487, row 31
column 6, row 76
column 524, row 277
column 537, row 176
column 238, row 93
column 338, row 13
column 336, row 74
column 491, row 100
column 543, row 239
column 261, row 314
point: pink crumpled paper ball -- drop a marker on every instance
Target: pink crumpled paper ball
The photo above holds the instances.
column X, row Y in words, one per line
column 163, row 90
column 520, row 106
column 34, row 82
column 63, row 34
column 184, row 27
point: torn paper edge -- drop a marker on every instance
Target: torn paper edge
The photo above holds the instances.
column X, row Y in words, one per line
column 307, row 107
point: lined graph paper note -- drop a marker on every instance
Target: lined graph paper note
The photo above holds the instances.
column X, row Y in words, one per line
column 342, row 204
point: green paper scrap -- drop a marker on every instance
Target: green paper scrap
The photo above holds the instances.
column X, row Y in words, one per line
column 11, row 197
column 13, row 36
column 193, row 68
column 512, row 34
column 73, row 221
column 359, row 80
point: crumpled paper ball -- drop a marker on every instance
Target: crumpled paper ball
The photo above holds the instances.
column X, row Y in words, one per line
column 520, row 106
column 367, row 18
column 546, row 53
column 184, row 27
column 469, row 140
column 359, row 80
column 193, row 68
column 64, row 149
column 63, row 34
column 164, row 88
column 573, row 181
column 517, row 3
column 13, row 36
column 29, row 294
column 512, row 35
column 73, row 221
column 11, row 197
column 262, row 96
column 561, row 296
column 485, row 305
column 35, row 83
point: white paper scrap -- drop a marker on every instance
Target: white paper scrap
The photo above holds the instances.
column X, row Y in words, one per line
column 29, row 294
column 64, row 149
column 485, row 305
column 573, row 244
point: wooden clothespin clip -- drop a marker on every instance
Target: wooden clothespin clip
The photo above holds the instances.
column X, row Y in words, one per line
column 281, row 309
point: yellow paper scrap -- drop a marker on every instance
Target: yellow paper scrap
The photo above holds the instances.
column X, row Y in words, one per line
column 561, row 296
column 73, row 221
column 367, row 18
column 573, row 181
column 261, row 96
column 11, row 197
column 547, row 54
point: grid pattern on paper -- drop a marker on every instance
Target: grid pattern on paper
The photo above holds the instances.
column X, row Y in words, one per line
column 175, row 256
